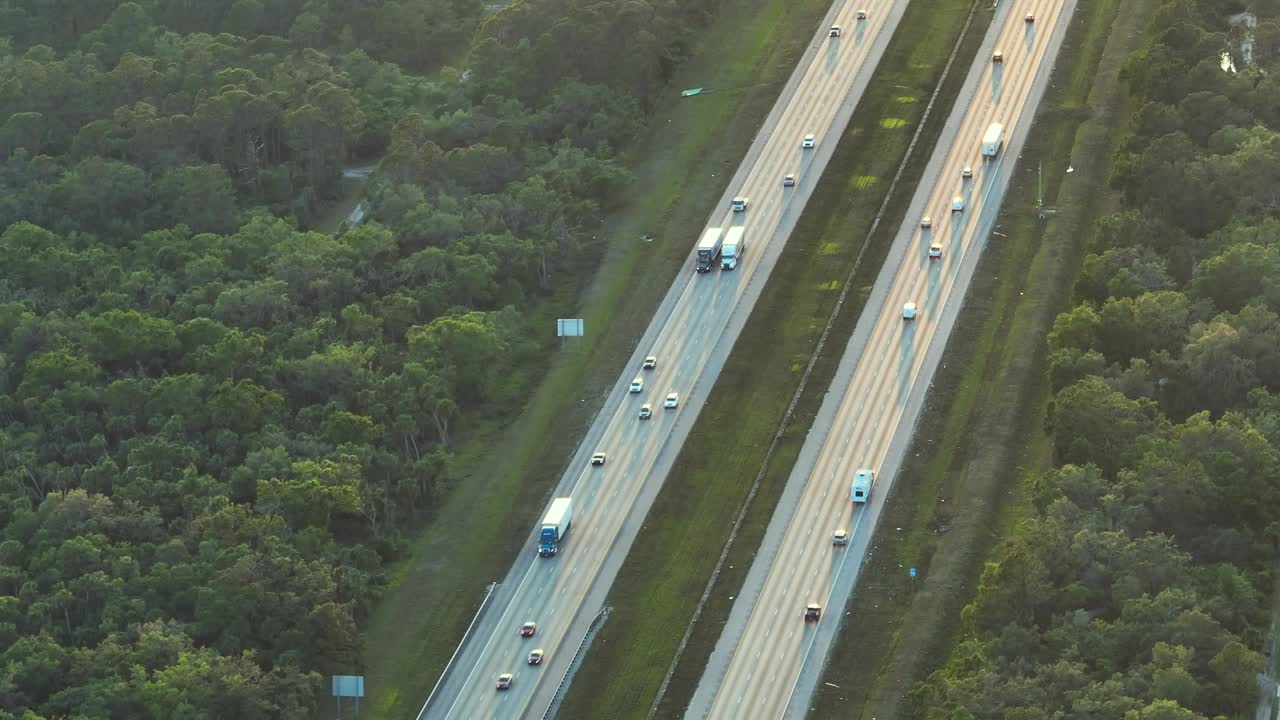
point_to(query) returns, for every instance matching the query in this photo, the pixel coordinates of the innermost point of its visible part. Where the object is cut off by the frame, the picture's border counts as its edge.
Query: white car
(504, 681)
(997, 57)
(637, 385)
(909, 311)
(808, 141)
(935, 252)
(650, 363)
(840, 537)
(966, 173)
(925, 222)
(673, 400)
(535, 657)
(834, 31)
(646, 411)
(957, 204)
(598, 459)
(862, 14)
(1031, 18)
(788, 180)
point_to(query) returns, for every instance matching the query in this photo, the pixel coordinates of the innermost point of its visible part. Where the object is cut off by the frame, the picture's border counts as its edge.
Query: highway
(768, 659)
(691, 335)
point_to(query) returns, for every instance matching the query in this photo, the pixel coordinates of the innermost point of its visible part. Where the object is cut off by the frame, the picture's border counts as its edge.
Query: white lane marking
(493, 636)
(809, 156)
(984, 192)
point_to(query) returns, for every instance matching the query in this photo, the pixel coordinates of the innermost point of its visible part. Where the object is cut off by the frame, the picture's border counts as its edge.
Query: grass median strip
(495, 498)
(664, 577)
(983, 423)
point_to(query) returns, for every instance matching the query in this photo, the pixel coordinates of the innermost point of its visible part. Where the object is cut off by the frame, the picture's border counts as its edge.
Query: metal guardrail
(596, 622)
(483, 604)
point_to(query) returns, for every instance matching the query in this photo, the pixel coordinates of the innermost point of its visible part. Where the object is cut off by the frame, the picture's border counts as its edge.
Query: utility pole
(1040, 186)
(1041, 210)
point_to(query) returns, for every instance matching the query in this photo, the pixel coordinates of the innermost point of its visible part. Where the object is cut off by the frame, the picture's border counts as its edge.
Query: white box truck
(709, 248)
(861, 487)
(554, 526)
(992, 141)
(731, 250)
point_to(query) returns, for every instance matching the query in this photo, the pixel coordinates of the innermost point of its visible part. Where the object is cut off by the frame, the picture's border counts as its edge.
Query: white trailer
(554, 526)
(731, 250)
(709, 248)
(992, 141)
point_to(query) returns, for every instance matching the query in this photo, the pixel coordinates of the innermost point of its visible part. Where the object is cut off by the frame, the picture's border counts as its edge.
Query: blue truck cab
(555, 524)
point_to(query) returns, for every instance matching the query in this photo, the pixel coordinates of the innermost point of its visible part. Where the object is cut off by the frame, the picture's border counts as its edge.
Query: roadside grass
(662, 580)
(981, 435)
(682, 167)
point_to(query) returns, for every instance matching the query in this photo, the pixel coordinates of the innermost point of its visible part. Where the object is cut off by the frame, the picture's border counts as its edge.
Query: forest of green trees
(1139, 588)
(215, 421)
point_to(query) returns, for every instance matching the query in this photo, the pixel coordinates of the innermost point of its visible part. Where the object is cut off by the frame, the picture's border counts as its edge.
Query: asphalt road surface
(691, 335)
(768, 658)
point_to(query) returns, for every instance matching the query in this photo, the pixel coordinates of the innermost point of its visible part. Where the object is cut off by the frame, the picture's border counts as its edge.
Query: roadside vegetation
(682, 166)
(1133, 583)
(218, 426)
(657, 590)
(982, 425)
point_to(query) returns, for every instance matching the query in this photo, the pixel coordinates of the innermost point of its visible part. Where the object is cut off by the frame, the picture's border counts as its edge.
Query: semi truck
(731, 250)
(992, 141)
(709, 248)
(554, 526)
(860, 489)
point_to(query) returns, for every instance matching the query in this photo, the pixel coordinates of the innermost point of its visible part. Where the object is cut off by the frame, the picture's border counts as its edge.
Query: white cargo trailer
(731, 250)
(554, 526)
(709, 248)
(992, 141)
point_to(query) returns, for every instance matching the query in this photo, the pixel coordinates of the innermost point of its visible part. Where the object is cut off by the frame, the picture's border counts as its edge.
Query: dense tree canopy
(1138, 587)
(216, 420)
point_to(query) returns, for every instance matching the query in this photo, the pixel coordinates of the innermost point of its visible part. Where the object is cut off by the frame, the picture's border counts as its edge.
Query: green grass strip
(982, 429)
(661, 583)
(682, 170)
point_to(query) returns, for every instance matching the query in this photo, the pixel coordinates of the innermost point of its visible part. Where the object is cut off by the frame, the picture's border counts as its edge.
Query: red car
(528, 629)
